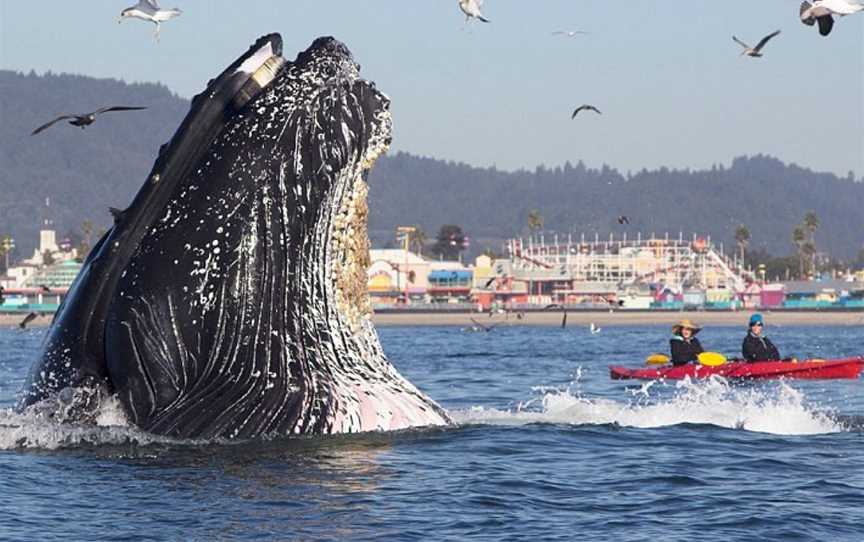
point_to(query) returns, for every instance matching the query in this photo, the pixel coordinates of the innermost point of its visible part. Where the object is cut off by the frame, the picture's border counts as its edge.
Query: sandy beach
(617, 318)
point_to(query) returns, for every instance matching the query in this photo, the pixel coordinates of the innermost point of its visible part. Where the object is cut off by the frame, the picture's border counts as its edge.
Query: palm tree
(811, 224)
(6, 246)
(799, 237)
(86, 240)
(808, 251)
(742, 237)
(535, 221)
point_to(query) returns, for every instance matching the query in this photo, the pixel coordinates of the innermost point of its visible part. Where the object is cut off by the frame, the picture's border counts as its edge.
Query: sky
(666, 74)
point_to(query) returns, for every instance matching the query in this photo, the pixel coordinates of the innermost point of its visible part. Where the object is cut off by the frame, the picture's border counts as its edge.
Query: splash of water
(33, 429)
(780, 410)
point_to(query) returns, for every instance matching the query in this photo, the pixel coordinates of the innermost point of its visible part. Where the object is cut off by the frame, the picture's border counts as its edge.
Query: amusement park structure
(560, 265)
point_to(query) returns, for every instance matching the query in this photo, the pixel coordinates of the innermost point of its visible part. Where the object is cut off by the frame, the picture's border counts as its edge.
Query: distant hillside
(764, 194)
(86, 172)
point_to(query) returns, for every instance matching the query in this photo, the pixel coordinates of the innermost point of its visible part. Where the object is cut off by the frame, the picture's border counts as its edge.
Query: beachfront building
(397, 276)
(823, 294)
(40, 282)
(656, 272)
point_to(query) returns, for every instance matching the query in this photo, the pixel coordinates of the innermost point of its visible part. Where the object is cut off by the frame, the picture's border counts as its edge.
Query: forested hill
(85, 172)
(766, 195)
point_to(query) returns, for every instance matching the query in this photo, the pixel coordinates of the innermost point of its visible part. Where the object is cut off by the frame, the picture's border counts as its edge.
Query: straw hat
(685, 323)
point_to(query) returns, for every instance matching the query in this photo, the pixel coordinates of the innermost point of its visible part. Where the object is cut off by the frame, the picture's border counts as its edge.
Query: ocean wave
(780, 410)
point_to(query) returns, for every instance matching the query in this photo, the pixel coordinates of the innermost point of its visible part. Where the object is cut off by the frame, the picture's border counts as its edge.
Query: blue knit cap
(756, 319)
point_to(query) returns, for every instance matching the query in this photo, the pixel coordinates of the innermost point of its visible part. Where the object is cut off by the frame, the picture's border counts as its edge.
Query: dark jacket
(759, 349)
(684, 352)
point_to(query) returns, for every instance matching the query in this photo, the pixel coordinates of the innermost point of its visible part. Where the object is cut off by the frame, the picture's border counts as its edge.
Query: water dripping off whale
(229, 299)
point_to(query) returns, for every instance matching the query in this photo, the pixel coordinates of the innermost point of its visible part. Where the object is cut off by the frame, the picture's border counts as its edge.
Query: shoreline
(622, 318)
(616, 318)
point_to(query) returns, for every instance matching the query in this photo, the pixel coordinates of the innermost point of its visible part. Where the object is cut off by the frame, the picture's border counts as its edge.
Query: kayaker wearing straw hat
(685, 346)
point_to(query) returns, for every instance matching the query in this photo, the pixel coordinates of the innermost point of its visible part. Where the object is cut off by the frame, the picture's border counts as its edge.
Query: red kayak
(813, 369)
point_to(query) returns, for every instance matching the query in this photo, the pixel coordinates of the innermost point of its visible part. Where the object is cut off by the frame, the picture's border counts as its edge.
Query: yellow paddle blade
(657, 359)
(712, 359)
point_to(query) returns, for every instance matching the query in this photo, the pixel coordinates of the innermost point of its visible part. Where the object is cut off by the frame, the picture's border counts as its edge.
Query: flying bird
(754, 51)
(585, 107)
(480, 327)
(594, 329)
(823, 11)
(471, 9)
(86, 119)
(623, 220)
(149, 10)
(558, 306)
(45, 288)
(568, 33)
(27, 319)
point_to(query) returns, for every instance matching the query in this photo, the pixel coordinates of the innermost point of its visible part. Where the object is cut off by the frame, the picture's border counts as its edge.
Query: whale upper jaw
(229, 300)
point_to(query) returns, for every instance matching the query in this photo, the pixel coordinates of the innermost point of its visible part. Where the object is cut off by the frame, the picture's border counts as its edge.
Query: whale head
(229, 300)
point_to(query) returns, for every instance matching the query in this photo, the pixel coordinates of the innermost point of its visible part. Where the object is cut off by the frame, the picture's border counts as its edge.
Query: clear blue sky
(666, 74)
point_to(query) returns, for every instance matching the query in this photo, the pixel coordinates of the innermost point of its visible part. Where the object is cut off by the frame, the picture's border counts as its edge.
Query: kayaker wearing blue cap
(684, 344)
(756, 346)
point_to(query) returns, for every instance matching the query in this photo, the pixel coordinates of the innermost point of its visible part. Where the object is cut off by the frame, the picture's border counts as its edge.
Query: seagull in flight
(471, 8)
(480, 327)
(754, 51)
(27, 319)
(568, 33)
(823, 11)
(86, 119)
(149, 10)
(623, 220)
(585, 107)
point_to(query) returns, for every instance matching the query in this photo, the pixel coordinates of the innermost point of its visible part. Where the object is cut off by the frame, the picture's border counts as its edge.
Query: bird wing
(576, 112)
(153, 4)
(826, 23)
(741, 43)
(765, 40)
(116, 108)
(51, 123)
(478, 324)
(592, 108)
(27, 319)
(809, 20)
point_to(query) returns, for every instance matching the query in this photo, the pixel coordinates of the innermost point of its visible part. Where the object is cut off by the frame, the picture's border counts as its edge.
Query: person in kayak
(684, 344)
(756, 346)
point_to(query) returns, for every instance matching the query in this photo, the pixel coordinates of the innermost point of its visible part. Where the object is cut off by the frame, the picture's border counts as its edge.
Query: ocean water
(546, 447)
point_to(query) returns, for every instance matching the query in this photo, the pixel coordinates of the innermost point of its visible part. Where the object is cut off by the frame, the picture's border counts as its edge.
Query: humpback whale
(229, 299)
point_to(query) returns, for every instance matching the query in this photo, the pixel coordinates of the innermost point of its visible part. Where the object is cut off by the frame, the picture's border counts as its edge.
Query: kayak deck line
(814, 369)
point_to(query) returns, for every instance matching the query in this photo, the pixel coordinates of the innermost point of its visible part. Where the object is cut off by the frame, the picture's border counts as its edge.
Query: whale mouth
(348, 231)
(229, 300)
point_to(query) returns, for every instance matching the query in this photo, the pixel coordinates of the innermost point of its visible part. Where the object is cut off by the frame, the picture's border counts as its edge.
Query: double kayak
(812, 369)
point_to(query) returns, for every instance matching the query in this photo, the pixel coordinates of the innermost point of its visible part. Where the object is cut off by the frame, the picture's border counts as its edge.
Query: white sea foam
(32, 429)
(780, 409)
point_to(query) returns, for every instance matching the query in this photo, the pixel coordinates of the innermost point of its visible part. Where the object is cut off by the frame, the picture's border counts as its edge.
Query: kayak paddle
(657, 359)
(711, 359)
